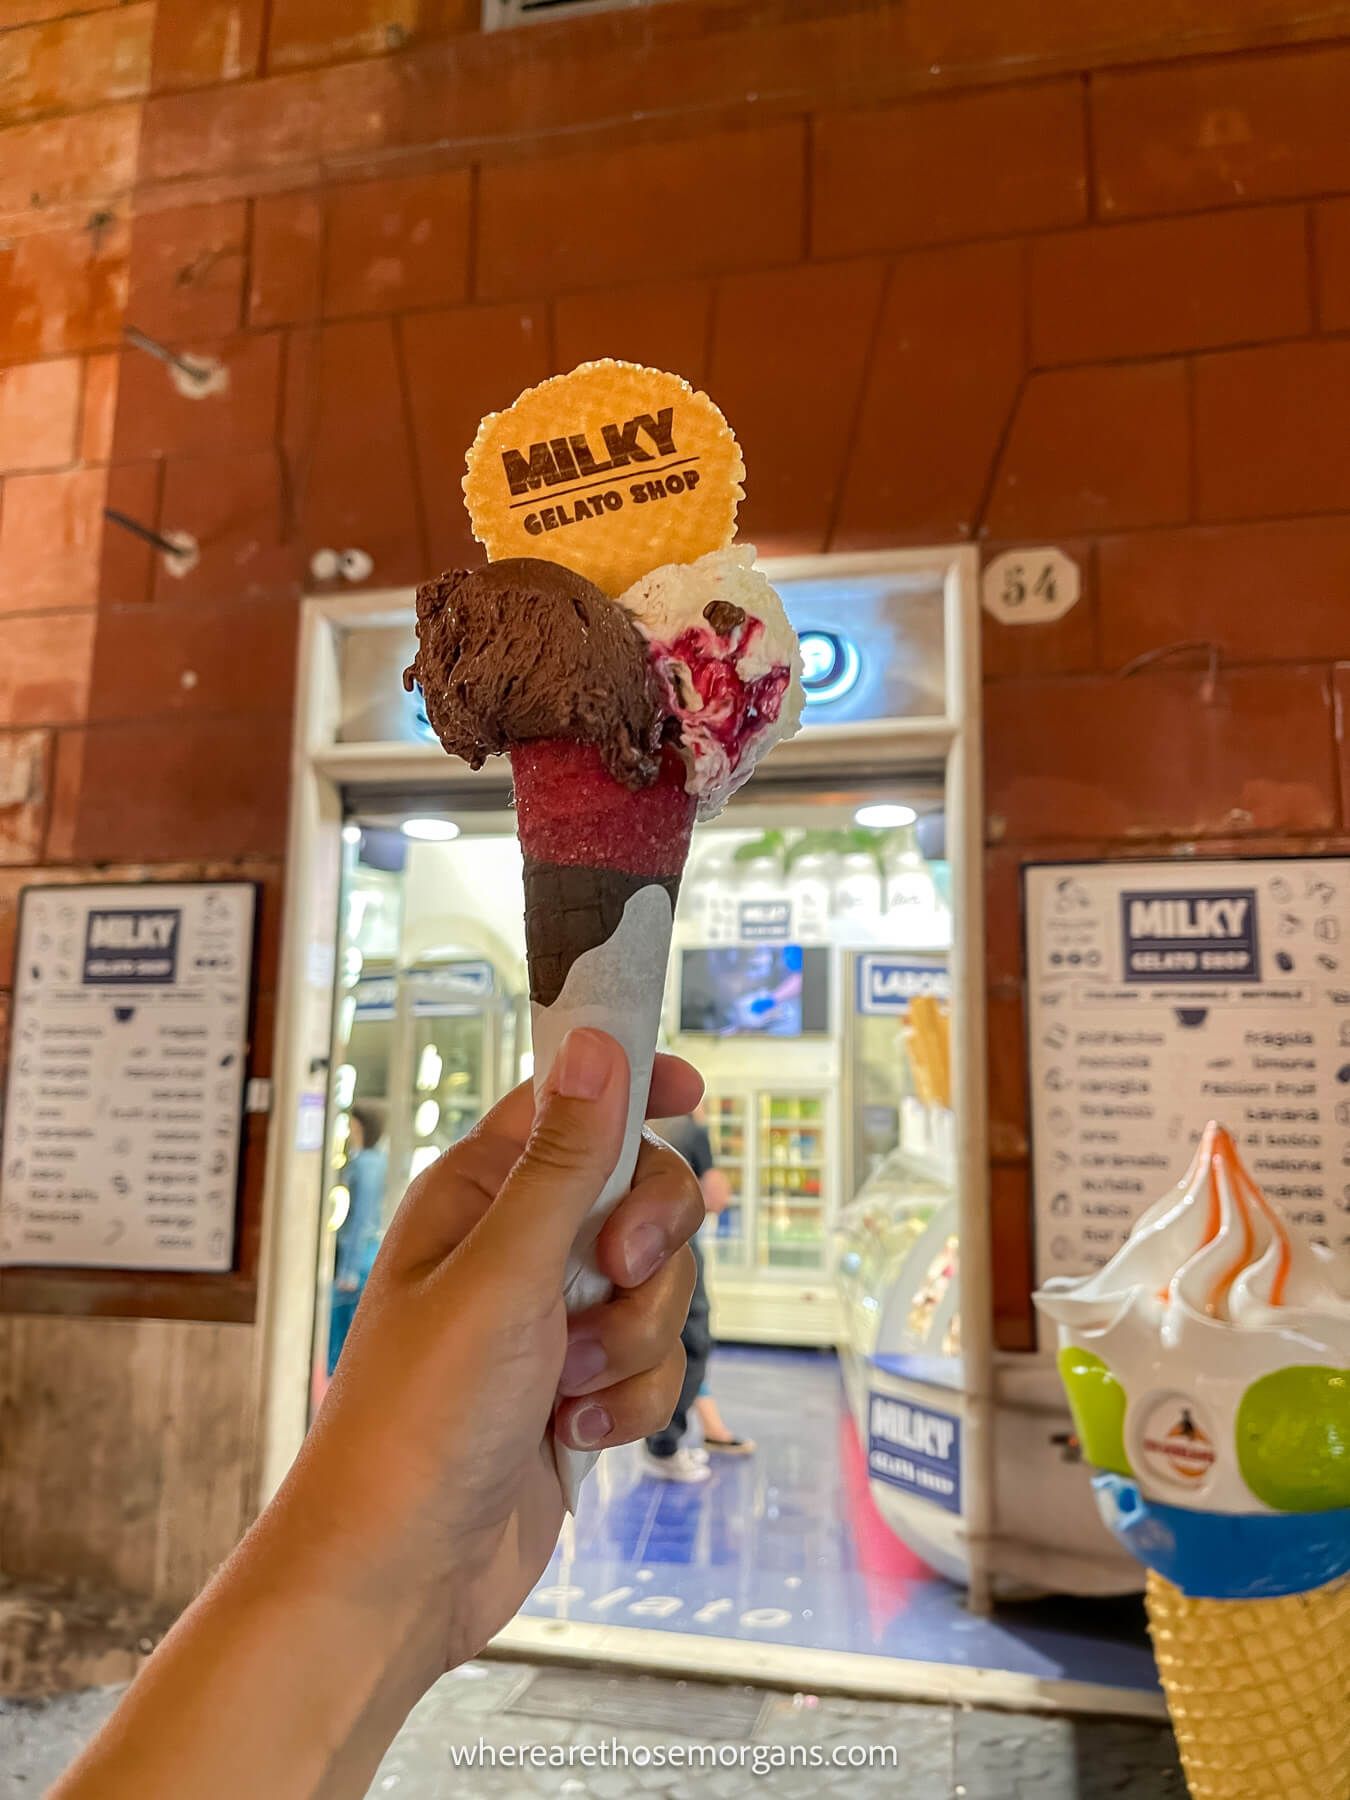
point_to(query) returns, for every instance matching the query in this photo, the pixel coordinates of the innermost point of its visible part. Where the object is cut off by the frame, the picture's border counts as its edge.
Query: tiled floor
(787, 1548)
(627, 1724)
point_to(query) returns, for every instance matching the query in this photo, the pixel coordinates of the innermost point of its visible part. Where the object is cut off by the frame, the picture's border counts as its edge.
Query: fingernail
(584, 1360)
(581, 1069)
(644, 1252)
(592, 1425)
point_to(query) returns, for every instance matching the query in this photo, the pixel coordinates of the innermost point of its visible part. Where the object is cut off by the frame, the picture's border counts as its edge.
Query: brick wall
(1014, 275)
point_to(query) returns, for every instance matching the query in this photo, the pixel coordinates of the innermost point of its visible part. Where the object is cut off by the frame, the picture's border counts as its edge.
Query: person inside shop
(665, 1454)
(426, 1502)
(364, 1175)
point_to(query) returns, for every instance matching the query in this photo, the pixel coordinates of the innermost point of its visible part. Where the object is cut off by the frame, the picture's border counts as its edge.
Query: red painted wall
(954, 272)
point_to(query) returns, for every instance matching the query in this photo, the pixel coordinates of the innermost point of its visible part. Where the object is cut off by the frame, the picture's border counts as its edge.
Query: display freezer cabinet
(770, 1251)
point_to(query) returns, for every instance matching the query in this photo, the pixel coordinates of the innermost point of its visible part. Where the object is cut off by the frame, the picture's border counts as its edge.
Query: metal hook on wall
(180, 550)
(195, 377)
(1166, 652)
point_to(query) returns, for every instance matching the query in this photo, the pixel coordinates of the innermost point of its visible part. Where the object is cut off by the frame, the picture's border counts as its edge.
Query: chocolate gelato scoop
(524, 649)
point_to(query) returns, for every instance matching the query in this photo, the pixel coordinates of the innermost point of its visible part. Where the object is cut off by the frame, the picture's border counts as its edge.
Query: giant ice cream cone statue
(1208, 1371)
(634, 665)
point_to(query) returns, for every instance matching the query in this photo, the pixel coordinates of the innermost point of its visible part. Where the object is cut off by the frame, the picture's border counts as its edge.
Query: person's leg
(697, 1340)
(710, 1417)
(717, 1434)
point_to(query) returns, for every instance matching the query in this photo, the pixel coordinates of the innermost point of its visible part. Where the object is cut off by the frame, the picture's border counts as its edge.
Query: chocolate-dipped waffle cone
(570, 910)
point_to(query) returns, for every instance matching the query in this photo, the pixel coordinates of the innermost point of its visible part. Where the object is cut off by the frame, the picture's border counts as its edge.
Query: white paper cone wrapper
(617, 987)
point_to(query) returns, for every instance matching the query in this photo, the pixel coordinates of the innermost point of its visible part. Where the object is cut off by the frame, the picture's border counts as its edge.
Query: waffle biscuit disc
(612, 470)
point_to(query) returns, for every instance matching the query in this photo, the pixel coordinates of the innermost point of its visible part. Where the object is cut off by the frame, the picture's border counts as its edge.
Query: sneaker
(684, 1466)
(732, 1446)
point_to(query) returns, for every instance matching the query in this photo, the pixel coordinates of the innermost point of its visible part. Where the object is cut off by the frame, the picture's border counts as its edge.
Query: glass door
(726, 1235)
(367, 1052)
(450, 1073)
(792, 1159)
(463, 1052)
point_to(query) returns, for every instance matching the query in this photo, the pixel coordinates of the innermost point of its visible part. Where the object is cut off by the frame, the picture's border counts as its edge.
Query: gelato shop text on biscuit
(571, 459)
(590, 506)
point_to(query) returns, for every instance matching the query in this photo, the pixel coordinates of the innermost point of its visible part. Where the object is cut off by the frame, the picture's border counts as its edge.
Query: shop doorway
(826, 978)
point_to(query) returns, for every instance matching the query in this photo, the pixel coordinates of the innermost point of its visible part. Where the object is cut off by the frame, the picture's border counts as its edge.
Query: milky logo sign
(375, 997)
(440, 990)
(768, 921)
(1200, 934)
(887, 984)
(132, 946)
(570, 458)
(915, 1448)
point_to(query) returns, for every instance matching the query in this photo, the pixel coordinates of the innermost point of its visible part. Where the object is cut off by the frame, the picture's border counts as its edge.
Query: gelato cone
(625, 714)
(1258, 1690)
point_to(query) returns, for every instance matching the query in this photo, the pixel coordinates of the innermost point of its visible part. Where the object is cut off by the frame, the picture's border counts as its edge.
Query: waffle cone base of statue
(1258, 1691)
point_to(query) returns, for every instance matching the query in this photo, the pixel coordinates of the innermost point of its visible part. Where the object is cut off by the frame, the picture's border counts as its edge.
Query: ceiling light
(885, 815)
(431, 831)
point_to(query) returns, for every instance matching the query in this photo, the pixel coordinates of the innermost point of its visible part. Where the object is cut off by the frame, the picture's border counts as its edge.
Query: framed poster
(124, 1099)
(1163, 995)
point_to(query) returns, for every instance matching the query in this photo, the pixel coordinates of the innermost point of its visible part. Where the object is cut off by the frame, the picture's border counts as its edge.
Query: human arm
(426, 1501)
(695, 1145)
(716, 1190)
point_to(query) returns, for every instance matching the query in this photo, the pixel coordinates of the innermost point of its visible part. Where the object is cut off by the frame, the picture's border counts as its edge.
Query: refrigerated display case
(794, 1147)
(900, 1221)
(898, 1255)
(771, 1250)
(725, 1235)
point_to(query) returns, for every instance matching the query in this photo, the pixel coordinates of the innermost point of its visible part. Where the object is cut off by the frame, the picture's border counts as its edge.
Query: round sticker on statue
(612, 471)
(1175, 1446)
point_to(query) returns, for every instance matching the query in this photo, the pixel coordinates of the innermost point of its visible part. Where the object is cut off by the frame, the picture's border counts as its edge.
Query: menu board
(126, 1076)
(1163, 995)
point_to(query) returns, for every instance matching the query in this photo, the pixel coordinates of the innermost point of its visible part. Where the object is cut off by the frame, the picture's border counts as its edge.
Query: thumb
(572, 1151)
